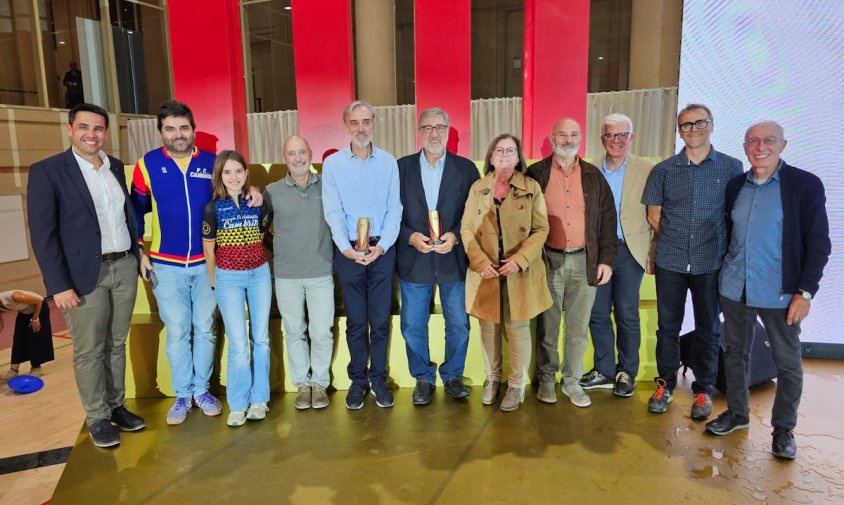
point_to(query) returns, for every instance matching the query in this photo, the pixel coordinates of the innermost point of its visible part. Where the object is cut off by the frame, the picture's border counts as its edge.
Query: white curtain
(143, 137)
(395, 130)
(653, 112)
(267, 131)
(492, 117)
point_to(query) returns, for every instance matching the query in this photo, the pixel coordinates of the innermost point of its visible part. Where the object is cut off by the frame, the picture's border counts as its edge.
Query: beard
(565, 151)
(361, 143)
(171, 146)
(437, 149)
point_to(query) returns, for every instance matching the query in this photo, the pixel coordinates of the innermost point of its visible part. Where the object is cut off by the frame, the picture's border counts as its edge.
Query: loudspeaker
(762, 365)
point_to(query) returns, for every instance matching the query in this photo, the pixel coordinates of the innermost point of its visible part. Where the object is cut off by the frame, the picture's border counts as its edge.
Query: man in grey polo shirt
(302, 262)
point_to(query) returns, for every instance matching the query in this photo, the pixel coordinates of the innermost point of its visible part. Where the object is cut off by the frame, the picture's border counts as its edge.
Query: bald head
(565, 138)
(766, 125)
(297, 155)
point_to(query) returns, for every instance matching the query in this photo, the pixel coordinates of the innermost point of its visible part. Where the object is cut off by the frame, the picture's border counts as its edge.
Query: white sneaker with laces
(257, 411)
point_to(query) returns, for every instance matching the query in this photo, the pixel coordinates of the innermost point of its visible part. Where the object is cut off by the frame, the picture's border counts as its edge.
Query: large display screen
(781, 60)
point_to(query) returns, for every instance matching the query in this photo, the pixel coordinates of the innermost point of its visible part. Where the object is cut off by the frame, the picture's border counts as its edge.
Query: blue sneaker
(354, 398)
(210, 406)
(383, 395)
(179, 411)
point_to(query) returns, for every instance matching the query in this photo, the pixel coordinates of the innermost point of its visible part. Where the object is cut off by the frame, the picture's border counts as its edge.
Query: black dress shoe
(104, 434)
(455, 388)
(125, 420)
(422, 393)
(784, 446)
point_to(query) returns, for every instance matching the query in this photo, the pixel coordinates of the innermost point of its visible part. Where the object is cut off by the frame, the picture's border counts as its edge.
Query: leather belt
(566, 251)
(112, 257)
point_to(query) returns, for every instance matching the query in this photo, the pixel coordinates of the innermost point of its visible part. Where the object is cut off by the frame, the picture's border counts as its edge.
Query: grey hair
(356, 104)
(617, 118)
(433, 111)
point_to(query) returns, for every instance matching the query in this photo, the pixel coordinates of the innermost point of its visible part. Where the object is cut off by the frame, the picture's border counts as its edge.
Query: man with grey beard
(579, 252)
(434, 180)
(362, 181)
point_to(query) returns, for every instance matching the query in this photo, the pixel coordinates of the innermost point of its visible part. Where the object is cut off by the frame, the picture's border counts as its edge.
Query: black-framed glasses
(768, 141)
(427, 129)
(609, 137)
(700, 124)
(500, 151)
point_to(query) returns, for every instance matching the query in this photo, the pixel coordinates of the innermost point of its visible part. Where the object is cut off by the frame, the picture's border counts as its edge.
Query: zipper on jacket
(187, 204)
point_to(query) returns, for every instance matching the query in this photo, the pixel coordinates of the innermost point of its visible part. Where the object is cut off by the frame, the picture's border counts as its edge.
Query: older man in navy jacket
(779, 244)
(434, 180)
(82, 229)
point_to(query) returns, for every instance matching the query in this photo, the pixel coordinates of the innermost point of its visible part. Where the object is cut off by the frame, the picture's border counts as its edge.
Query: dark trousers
(620, 296)
(33, 346)
(671, 289)
(367, 296)
(739, 322)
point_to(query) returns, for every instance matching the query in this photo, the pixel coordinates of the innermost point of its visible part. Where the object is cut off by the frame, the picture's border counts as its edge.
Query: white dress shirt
(109, 201)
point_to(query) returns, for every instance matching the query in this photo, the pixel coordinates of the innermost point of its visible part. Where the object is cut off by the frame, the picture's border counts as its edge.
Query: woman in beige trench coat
(504, 227)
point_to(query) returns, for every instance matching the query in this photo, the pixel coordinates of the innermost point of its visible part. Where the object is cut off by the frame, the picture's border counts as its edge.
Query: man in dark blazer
(81, 226)
(430, 253)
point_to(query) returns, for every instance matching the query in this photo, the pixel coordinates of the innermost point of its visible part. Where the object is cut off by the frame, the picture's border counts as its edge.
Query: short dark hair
(520, 167)
(695, 106)
(175, 108)
(87, 107)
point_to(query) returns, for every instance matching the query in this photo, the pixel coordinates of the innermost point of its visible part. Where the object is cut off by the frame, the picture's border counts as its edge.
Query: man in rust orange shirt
(579, 252)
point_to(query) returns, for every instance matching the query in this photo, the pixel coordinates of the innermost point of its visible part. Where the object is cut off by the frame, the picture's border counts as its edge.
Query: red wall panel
(322, 52)
(555, 69)
(443, 58)
(207, 58)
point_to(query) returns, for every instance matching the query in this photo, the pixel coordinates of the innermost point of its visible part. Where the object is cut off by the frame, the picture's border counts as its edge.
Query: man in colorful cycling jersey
(174, 183)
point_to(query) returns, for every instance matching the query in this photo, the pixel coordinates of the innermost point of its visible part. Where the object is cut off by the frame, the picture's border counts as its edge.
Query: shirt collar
(83, 163)
(713, 155)
(774, 177)
(620, 168)
(312, 178)
(351, 154)
(424, 161)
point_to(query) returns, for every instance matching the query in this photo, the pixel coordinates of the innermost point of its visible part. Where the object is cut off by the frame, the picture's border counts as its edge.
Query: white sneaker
(257, 411)
(237, 418)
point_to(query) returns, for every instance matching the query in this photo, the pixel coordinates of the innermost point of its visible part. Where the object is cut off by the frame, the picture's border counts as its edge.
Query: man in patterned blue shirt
(685, 199)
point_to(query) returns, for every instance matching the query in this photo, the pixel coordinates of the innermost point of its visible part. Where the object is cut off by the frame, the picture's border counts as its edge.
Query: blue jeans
(367, 296)
(186, 306)
(415, 313)
(236, 289)
(309, 362)
(671, 289)
(621, 296)
(740, 324)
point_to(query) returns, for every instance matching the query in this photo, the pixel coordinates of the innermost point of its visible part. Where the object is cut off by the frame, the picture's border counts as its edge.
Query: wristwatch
(805, 294)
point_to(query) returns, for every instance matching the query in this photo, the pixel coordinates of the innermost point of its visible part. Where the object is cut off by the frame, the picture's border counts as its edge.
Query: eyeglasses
(500, 151)
(609, 137)
(700, 124)
(768, 141)
(427, 129)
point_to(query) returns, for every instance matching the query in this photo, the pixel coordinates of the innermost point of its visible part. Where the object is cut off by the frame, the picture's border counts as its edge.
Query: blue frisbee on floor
(25, 384)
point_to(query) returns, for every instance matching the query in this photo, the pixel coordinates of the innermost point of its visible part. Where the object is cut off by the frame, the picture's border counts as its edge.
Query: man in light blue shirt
(362, 181)
(778, 247)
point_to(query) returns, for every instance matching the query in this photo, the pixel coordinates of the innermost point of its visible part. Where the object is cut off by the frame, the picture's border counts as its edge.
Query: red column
(443, 58)
(207, 58)
(555, 69)
(322, 51)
